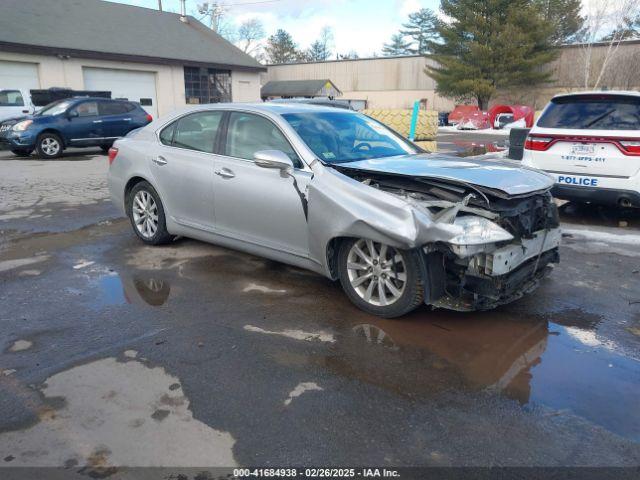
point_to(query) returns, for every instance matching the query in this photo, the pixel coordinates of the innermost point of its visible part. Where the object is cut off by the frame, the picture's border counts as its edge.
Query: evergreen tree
(564, 16)
(488, 45)
(281, 48)
(421, 29)
(320, 50)
(397, 46)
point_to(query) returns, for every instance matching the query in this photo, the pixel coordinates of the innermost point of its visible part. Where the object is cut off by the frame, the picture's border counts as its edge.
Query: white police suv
(590, 143)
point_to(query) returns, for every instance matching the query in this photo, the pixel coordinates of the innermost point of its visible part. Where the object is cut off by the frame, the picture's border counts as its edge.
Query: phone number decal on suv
(581, 181)
(578, 158)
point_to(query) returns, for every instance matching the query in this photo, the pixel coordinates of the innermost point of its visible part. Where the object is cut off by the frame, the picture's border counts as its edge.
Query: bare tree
(160, 5)
(250, 33)
(605, 21)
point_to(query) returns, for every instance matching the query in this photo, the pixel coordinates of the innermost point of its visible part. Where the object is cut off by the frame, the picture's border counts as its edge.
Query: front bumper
(17, 140)
(601, 196)
(485, 280)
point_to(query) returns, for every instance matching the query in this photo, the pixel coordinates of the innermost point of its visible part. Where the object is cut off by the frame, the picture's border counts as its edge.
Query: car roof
(629, 93)
(273, 108)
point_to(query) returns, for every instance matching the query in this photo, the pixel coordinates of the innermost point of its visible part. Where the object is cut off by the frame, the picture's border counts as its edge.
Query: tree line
(477, 46)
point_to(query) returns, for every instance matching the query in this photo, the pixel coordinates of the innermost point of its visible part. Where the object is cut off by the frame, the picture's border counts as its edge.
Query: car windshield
(340, 137)
(55, 108)
(593, 112)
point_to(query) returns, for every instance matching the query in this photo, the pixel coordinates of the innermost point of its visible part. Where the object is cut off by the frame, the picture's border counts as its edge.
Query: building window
(207, 85)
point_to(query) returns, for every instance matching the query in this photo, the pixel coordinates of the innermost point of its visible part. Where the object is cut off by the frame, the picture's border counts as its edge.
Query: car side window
(166, 135)
(112, 108)
(248, 134)
(196, 131)
(86, 109)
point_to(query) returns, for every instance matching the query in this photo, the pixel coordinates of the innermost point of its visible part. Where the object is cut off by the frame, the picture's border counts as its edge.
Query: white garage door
(19, 76)
(129, 84)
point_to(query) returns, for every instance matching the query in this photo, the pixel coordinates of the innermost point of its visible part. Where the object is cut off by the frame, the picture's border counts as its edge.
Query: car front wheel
(49, 145)
(380, 279)
(147, 215)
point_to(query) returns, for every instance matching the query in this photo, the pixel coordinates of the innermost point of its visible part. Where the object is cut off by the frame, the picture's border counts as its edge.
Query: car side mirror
(273, 159)
(73, 114)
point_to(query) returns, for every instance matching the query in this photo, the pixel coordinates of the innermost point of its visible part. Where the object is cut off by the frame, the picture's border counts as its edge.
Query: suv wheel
(49, 145)
(147, 215)
(380, 279)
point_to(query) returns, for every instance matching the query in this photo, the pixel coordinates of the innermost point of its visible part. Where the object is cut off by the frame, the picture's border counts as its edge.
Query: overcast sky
(360, 25)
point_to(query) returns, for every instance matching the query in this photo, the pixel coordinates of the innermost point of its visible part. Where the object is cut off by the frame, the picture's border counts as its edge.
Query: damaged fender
(340, 206)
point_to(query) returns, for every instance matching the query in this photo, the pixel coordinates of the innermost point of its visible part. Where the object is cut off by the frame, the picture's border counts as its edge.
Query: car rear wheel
(147, 215)
(49, 145)
(21, 153)
(380, 279)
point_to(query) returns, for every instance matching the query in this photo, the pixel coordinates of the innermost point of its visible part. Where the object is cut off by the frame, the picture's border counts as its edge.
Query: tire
(21, 153)
(391, 267)
(149, 224)
(105, 148)
(49, 145)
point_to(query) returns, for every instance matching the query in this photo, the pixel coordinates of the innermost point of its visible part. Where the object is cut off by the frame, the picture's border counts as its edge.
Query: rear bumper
(602, 196)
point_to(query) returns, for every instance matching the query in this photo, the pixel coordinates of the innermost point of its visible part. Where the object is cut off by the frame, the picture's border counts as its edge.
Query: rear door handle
(225, 173)
(159, 160)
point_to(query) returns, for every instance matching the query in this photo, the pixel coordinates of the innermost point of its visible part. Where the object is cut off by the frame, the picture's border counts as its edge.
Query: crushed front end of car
(482, 246)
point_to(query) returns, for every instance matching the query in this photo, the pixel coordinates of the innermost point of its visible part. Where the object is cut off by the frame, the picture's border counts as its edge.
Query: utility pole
(160, 5)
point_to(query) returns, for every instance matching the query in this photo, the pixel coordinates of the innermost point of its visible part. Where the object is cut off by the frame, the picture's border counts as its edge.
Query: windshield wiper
(598, 118)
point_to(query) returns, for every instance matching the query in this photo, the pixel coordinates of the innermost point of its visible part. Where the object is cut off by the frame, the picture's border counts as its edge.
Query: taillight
(149, 118)
(537, 143)
(113, 152)
(631, 146)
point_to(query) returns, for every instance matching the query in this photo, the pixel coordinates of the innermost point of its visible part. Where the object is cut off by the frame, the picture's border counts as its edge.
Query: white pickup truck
(15, 103)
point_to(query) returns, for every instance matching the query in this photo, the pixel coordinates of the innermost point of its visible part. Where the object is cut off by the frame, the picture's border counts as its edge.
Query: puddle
(137, 289)
(117, 414)
(533, 362)
(295, 334)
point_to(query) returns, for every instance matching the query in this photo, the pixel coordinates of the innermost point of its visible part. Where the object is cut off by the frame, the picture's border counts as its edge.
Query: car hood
(505, 175)
(14, 120)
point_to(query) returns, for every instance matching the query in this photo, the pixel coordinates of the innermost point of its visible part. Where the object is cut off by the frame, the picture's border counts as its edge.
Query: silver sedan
(338, 193)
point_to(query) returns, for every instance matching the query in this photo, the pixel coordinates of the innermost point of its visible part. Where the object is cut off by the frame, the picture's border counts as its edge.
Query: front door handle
(159, 160)
(97, 121)
(225, 173)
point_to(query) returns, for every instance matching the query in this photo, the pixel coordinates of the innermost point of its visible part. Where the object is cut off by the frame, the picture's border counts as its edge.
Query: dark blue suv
(73, 122)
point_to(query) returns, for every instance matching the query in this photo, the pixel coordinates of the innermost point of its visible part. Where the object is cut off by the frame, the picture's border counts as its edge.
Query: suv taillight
(539, 144)
(113, 152)
(631, 146)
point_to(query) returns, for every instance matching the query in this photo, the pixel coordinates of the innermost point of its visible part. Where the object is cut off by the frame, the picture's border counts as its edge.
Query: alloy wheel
(145, 214)
(50, 146)
(377, 272)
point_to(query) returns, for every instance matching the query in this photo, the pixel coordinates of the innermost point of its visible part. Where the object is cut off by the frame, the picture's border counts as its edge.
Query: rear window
(604, 112)
(11, 98)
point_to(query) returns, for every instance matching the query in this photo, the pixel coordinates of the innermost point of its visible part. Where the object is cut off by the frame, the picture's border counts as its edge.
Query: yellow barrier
(400, 121)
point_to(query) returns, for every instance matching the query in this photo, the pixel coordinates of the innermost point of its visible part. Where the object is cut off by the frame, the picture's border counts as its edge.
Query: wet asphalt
(190, 355)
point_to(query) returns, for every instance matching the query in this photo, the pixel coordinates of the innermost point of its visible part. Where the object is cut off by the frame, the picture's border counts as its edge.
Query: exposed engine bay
(507, 244)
